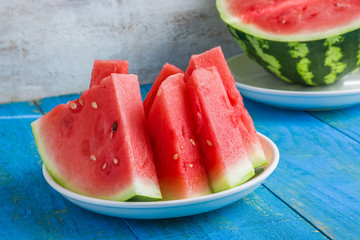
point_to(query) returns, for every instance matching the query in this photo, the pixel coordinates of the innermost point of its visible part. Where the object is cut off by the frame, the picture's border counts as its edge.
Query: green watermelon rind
(48, 162)
(129, 194)
(319, 62)
(300, 37)
(258, 158)
(231, 178)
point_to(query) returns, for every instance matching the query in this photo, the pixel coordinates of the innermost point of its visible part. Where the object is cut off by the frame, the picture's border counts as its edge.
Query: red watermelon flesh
(225, 156)
(166, 71)
(301, 16)
(103, 69)
(97, 146)
(215, 58)
(179, 167)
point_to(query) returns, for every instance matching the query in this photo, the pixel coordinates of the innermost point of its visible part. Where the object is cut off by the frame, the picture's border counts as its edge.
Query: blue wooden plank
(318, 174)
(30, 208)
(19, 109)
(346, 120)
(260, 215)
(145, 88)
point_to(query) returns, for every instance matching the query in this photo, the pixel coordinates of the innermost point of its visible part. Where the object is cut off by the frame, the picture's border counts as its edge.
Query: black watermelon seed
(114, 127)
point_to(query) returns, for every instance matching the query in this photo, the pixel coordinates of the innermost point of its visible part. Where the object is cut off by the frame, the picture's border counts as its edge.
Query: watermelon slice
(97, 146)
(103, 69)
(166, 71)
(215, 58)
(226, 158)
(179, 167)
(310, 42)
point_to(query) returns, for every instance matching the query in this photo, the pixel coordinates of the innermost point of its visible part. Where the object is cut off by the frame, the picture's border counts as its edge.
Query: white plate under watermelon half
(174, 208)
(258, 85)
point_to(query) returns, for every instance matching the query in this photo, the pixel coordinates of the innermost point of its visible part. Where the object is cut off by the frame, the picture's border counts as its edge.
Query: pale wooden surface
(47, 48)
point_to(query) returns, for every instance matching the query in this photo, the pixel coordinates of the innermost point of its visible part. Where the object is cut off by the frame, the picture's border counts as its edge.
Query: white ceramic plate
(174, 208)
(256, 84)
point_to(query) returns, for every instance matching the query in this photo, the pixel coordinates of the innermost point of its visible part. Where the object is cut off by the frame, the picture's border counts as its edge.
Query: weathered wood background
(47, 48)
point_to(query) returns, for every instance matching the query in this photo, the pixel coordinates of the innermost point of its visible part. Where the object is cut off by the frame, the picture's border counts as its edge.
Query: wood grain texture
(318, 170)
(346, 120)
(19, 110)
(260, 215)
(47, 48)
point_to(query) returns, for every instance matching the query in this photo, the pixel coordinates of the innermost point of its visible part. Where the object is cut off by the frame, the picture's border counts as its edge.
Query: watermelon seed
(191, 165)
(192, 141)
(115, 161)
(73, 105)
(181, 147)
(92, 157)
(94, 105)
(209, 143)
(104, 166)
(176, 156)
(159, 92)
(114, 127)
(81, 101)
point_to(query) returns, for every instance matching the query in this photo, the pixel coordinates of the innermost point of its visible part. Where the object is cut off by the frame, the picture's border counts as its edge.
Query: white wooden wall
(47, 48)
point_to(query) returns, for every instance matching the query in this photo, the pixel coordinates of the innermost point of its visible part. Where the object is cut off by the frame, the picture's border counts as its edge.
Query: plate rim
(276, 92)
(169, 203)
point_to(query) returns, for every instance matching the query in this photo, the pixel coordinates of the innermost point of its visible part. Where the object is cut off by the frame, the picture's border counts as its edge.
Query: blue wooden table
(313, 194)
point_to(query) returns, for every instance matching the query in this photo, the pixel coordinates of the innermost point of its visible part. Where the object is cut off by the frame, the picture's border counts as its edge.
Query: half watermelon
(97, 146)
(311, 42)
(179, 166)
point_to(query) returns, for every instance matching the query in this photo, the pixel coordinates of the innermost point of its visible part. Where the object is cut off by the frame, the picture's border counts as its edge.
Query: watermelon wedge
(309, 42)
(225, 156)
(240, 116)
(166, 71)
(97, 145)
(104, 68)
(178, 163)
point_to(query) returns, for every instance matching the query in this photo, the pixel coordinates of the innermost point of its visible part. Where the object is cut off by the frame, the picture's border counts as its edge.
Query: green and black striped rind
(317, 62)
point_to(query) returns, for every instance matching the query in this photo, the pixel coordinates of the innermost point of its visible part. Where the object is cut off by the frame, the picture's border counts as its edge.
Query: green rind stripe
(333, 57)
(300, 50)
(272, 63)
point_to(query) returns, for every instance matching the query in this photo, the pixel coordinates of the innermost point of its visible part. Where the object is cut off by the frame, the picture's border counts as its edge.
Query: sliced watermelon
(226, 158)
(215, 58)
(165, 72)
(97, 146)
(179, 167)
(310, 42)
(103, 69)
